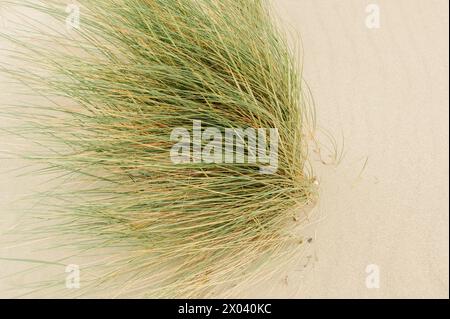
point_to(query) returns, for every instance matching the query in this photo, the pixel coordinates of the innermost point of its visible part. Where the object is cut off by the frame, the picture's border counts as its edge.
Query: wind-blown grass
(115, 89)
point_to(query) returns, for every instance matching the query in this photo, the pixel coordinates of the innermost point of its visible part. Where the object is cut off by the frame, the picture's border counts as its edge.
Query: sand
(384, 208)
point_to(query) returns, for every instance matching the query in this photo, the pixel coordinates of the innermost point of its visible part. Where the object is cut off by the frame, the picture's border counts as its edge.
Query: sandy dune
(385, 91)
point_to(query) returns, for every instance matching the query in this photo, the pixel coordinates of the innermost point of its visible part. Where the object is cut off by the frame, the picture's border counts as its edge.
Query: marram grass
(112, 91)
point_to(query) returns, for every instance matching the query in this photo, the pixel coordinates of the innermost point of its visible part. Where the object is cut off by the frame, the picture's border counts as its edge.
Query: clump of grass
(115, 89)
